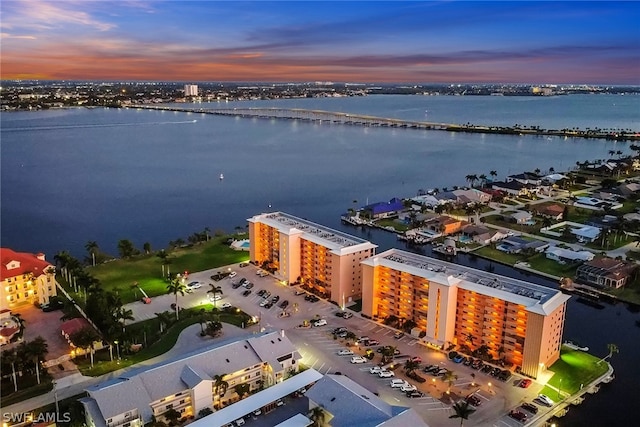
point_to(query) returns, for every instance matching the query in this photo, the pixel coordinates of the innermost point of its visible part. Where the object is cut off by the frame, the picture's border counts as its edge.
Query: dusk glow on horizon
(362, 41)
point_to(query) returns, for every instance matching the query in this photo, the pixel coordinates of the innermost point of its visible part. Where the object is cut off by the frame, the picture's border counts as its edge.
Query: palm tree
(176, 287)
(471, 178)
(410, 366)
(92, 247)
(318, 416)
(220, 386)
(164, 318)
(463, 410)
(483, 179)
(387, 353)
(215, 290)
(493, 175)
(449, 377)
(37, 350)
(84, 339)
(613, 348)
(147, 248)
(10, 357)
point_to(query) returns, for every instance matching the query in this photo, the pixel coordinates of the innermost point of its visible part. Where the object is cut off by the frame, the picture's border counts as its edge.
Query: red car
(525, 383)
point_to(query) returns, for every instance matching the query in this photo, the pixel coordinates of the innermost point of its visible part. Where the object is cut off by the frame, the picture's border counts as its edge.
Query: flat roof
(297, 420)
(255, 401)
(328, 237)
(490, 284)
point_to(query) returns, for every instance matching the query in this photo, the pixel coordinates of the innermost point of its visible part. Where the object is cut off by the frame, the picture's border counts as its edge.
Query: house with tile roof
(188, 383)
(26, 279)
(605, 272)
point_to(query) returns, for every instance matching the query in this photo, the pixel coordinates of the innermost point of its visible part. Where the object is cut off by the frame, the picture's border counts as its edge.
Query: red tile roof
(74, 325)
(29, 263)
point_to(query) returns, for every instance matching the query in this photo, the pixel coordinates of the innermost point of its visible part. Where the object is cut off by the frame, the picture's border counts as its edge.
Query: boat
(221, 177)
(574, 346)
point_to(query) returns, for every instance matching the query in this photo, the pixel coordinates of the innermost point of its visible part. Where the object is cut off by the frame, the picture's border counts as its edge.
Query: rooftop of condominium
(506, 288)
(335, 238)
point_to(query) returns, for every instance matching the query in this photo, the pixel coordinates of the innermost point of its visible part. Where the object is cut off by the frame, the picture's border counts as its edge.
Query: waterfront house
(526, 178)
(563, 255)
(554, 211)
(481, 234)
(605, 272)
(596, 204)
(189, 382)
(383, 209)
(444, 225)
(515, 245)
(515, 188)
(472, 196)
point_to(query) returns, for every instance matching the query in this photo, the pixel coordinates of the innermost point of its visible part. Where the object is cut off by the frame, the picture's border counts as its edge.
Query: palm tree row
(24, 359)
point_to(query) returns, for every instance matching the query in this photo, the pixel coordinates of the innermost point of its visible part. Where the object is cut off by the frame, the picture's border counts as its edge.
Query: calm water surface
(70, 176)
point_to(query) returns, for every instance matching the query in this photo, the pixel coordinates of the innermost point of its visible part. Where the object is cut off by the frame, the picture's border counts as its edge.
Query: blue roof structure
(393, 205)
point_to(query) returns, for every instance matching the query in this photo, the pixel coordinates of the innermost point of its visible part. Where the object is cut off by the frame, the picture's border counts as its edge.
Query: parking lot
(319, 350)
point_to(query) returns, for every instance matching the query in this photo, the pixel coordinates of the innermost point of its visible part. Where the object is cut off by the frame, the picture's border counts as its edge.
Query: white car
(321, 322)
(345, 352)
(216, 297)
(375, 370)
(386, 374)
(545, 399)
(397, 383)
(264, 302)
(358, 359)
(194, 285)
(408, 387)
(226, 305)
(232, 274)
(239, 422)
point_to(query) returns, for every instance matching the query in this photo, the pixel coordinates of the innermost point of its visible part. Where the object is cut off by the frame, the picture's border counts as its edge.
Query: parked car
(284, 304)
(414, 376)
(414, 393)
(518, 415)
(236, 285)
(232, 274)
(373, 342)
(397, 383)
(347, 315)
(408, 387)
(275, 299)
(345, 352)
(268, 305)
(216, 297)
(226, 305)
(458, 359)
(339, 329)
(358, 359)
(299, 292)
(243, 264)
(375, 370)
(264, 302)
(525, 383)
(530, 407)
(54, 304)
(504, 375)
(417, 359)
(321, 322)
(194, 285)
(239, 422)
(248, 285)
(261, 292)
(473, 400)
(468, 361)
(246, 293)
(546, 400)
(386, 374)
(279, 402)
(430, 368)
(257, 412)
(398, 335)
(452, 354)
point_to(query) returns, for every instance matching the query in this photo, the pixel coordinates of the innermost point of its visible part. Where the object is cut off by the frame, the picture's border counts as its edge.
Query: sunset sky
(342, 41)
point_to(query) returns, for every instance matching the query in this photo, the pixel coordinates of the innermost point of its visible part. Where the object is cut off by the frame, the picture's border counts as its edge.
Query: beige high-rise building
(190, 90)
(300, 250)
(451, 304)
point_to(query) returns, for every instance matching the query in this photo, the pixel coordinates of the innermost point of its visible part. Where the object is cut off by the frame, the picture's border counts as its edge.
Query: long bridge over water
(332, 117)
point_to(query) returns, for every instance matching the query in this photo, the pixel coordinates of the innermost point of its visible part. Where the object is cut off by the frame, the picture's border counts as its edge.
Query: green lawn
(397, 225)
(26, 390)
(146, 270)
(494, 254)
(162, 344)
(574, 368)
(541, 263)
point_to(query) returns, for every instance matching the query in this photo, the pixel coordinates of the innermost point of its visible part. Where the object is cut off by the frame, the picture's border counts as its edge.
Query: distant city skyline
(544, 42)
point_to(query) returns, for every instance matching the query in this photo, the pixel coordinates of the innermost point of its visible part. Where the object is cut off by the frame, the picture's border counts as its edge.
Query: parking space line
(413, 342)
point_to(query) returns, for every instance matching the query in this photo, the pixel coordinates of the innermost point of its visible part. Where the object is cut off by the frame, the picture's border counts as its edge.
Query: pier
(331, 117)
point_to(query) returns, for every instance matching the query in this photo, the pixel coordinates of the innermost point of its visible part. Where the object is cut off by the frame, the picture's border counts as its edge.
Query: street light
(117, 349)
(490, 390)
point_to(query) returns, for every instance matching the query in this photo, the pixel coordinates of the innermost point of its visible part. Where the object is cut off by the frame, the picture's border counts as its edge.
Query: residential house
(348, 404)
(383, 209)
(553, 211)
(472, 195)
(26, 279)
(189, 383)
(444, 225)
(522, 218)
(593, 203)
(515, 245)
(563, 255)
(629, 189)
(586, 234)
(481, 234)
(515, 188)
(605, 272)
(526, 178)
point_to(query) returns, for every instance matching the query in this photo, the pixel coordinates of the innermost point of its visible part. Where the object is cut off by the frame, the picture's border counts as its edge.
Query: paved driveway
(47, 325)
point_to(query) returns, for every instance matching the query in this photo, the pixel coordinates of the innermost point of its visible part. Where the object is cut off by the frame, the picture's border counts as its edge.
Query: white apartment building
(190, 90)
(191, 382)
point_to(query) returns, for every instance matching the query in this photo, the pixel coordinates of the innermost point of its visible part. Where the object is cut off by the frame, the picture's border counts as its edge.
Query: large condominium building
(517, 320)
(190, 90)
(26, 279)
(208, 378)
(300, 250)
